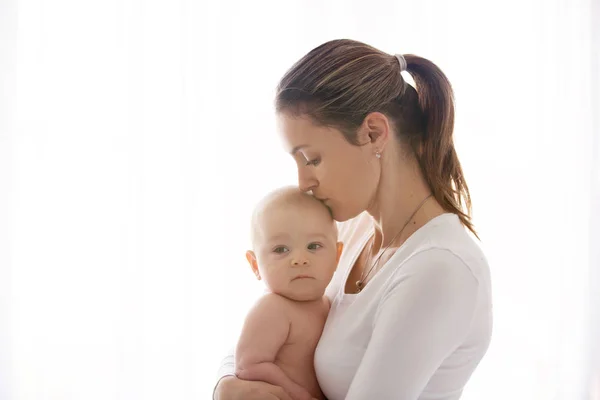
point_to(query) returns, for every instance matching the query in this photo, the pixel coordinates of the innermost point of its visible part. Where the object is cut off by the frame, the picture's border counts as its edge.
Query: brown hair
(340, 82)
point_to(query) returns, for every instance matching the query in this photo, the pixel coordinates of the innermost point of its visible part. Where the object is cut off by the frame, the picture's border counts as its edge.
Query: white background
(135, 137)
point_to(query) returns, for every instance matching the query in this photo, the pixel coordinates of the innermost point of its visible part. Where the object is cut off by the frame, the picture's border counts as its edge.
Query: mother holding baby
(411, 308)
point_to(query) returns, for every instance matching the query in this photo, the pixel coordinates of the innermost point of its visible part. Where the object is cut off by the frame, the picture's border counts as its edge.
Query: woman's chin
(341, 215)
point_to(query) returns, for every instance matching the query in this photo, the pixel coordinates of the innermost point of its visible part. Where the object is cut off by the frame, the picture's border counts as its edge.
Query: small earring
(378, 154)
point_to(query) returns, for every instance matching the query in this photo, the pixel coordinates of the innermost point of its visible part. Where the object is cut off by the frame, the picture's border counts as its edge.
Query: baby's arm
(265, 331)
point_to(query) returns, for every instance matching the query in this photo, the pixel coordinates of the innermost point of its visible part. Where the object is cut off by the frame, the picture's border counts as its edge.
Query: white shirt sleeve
(422, 318)
(226, 368)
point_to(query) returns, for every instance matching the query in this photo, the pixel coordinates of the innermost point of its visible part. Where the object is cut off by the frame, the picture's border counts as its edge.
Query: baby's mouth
(303, 277)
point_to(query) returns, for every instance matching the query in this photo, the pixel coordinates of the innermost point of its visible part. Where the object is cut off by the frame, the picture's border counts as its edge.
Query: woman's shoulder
(442, 243)
(446, 241)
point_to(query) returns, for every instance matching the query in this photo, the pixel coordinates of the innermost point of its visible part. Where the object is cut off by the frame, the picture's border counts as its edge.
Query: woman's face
(340, 174)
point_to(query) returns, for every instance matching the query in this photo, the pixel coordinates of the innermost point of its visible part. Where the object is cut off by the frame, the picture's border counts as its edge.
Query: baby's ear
(340, 248)
(251, 257)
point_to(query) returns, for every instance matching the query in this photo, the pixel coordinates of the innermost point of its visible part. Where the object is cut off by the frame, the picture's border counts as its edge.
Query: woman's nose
(306, 181)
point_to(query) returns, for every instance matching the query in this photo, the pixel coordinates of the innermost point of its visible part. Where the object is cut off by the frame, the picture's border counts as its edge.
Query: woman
(411, 313)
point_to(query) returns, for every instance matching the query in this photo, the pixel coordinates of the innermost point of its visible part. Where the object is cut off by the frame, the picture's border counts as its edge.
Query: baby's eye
(314, 246)
(280, 250)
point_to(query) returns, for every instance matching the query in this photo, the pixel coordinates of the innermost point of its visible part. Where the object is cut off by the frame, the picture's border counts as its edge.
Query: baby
(295, 252)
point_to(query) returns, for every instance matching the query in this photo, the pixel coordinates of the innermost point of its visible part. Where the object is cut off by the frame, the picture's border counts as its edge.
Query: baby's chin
(306, 293)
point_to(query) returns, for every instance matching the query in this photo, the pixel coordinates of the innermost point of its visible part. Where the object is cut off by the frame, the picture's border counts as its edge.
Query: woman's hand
(232, 388)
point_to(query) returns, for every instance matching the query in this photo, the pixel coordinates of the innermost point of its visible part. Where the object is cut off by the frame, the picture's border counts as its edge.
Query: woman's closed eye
(314, 162)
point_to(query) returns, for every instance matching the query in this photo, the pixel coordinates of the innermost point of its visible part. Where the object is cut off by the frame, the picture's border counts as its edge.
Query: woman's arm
(227, 368)
(423, 317)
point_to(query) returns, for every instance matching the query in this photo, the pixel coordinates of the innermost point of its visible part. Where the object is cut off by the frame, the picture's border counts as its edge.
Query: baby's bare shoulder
(272, 302)
(268, 309)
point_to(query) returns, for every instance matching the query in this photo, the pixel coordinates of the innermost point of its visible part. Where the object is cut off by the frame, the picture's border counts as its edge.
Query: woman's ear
(375, 130)
(251, 257)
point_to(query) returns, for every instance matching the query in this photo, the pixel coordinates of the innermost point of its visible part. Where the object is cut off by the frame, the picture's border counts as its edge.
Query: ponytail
(435, 150)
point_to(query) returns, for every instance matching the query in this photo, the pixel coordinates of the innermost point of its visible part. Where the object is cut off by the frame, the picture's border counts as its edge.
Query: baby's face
(297, 250)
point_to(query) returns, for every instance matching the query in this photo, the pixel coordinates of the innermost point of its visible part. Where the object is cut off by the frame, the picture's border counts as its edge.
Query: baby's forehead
(289, 199)
(295, 206)
(292, 211)
(293, 221)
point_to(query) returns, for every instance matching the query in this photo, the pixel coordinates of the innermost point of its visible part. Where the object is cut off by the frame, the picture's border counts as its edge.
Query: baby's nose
(298, 262)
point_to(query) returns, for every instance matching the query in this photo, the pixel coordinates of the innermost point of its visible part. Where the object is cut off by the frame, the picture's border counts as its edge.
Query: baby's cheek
(272, 280)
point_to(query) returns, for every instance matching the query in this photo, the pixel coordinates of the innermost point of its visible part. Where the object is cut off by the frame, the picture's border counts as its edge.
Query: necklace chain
(360, 284)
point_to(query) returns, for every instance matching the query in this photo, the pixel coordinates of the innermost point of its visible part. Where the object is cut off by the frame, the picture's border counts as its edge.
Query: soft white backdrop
(135, 137)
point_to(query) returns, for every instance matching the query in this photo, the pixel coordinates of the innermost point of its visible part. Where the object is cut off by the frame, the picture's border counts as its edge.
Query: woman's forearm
(226, 368)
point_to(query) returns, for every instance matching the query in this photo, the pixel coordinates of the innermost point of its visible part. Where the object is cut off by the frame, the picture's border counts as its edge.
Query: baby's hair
(283, 196)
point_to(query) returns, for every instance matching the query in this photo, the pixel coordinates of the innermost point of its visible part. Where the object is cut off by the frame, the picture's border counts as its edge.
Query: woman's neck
(401, 191)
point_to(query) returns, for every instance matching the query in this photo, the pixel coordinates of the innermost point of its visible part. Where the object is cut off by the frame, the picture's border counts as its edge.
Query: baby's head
(295, 248)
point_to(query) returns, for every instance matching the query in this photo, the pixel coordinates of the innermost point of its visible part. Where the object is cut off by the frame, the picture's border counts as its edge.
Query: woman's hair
(340, 82)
